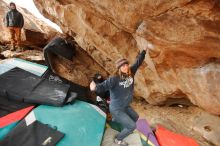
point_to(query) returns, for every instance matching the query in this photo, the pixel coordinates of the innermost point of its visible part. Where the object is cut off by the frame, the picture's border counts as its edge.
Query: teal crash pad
(4, 131)
(8, 64)
(82, 123)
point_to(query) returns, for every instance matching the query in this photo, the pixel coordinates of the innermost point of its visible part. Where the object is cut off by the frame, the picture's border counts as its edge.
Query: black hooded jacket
(14, 19)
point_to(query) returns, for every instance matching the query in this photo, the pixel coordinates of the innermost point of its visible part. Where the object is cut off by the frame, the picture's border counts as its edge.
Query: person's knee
(132, 127)
(137, 117)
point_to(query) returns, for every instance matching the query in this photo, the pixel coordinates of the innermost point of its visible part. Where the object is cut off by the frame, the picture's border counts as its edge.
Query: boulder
(185, 35)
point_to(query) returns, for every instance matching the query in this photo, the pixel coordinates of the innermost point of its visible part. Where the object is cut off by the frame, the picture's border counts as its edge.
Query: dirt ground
(26, 54)
(178, 119)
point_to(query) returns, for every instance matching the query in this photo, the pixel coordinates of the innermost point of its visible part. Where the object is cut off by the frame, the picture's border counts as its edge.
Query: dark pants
(127, 118)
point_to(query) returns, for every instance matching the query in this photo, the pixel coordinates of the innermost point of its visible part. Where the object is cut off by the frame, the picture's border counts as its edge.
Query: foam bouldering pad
(168, 138)
(17, 83)
(8, 64)
(5, 65)
(6, 129)
(9, 106)
(15, 116)
(146, 132)
(82, 123)
(32, 134)
(82, 92)
(21, 85)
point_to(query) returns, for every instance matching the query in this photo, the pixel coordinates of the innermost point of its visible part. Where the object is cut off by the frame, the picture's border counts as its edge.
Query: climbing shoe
(120, 142)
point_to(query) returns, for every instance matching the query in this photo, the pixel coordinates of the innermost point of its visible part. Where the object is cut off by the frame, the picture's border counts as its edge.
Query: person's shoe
(120, 142)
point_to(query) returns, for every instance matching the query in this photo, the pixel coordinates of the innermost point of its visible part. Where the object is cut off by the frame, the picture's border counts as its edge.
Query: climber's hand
(92, 86)
(145, 49)
(149, 46)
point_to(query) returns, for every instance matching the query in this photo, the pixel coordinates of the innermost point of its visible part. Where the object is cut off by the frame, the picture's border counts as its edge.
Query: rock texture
(185, 35)
(35, 32)
(198, 124)
(208, 126)
(30, 55)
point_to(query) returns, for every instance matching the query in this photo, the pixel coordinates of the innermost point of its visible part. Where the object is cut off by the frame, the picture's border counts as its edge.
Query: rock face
(35, 32)
(185, 35)
(30, 55)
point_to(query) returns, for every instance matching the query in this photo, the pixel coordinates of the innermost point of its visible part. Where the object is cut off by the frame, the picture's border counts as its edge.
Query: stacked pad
(32, 134)
(13, 111)
(34, 68)
(82, 92)
(8, 122)
(20, 85)
(16, 84)
(82, 123)
(10, 106)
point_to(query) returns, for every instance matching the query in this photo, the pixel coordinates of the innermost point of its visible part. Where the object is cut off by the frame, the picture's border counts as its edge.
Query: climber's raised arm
(138, 61)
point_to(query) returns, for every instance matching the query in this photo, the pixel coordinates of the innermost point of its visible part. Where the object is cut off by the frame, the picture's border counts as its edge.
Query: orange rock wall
(185, 35)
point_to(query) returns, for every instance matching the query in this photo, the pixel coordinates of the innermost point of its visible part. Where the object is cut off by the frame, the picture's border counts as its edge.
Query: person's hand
(149, 46)
(92, 86)
(145, 49)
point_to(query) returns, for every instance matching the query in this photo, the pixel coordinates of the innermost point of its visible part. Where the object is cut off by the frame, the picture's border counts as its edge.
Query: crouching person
(121, 87)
